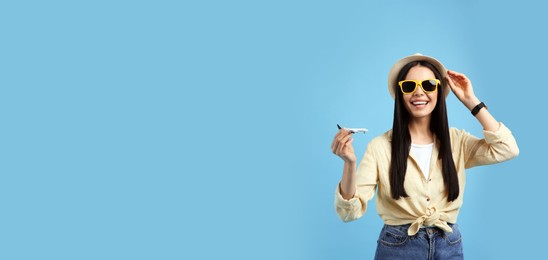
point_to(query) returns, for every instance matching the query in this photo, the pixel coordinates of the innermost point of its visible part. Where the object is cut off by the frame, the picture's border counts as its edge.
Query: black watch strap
(477, 108)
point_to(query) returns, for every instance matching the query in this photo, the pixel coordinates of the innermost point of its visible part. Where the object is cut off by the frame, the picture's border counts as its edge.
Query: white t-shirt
(422, 154)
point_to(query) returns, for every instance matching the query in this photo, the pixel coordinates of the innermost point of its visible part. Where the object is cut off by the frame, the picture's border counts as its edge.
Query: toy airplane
(354, 130)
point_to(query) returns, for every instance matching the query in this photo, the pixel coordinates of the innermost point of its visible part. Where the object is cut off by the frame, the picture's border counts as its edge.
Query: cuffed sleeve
(350, 209)
(497, 146)
(366, 183)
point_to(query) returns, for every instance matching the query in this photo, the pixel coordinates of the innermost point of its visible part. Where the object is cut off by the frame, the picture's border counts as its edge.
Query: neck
(419, 129)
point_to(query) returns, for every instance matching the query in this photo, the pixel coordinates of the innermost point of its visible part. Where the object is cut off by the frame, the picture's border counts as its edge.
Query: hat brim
(395, 70)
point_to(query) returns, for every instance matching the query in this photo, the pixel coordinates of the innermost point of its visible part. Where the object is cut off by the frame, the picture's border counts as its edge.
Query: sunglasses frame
(418, 83)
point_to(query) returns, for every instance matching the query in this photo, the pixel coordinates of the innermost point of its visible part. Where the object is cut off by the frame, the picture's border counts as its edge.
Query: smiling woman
(417, 169)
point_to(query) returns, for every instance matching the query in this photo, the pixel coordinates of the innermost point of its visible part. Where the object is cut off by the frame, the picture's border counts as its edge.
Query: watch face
(477, 108)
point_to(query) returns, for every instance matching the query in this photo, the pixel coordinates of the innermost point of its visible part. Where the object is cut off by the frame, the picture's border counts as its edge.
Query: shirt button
(428, 199)
(429, 179)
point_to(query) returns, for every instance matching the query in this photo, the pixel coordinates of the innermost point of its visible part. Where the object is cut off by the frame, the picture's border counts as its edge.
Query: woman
(418, 167)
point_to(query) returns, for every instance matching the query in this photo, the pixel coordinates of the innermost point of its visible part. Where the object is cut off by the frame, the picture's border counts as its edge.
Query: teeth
(419, 103)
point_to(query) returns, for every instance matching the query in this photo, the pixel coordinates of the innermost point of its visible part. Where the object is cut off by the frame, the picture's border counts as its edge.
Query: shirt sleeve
(366, 183)
(497, 146)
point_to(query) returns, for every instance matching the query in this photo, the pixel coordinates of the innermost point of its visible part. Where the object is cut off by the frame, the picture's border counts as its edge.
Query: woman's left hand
(462, 87)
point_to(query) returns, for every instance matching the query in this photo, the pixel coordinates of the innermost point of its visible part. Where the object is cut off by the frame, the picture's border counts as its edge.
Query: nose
(418, 91)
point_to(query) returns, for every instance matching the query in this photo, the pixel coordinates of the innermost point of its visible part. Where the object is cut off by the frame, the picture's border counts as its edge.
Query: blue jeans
(428, 244)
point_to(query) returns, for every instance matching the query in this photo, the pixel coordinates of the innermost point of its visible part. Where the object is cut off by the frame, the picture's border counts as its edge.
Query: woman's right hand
(342, 146)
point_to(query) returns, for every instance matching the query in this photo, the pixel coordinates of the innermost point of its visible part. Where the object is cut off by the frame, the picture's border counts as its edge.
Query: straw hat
(392, 76)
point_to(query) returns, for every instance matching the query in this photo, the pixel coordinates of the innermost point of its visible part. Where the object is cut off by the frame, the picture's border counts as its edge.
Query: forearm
(348, 180)
(487, 121)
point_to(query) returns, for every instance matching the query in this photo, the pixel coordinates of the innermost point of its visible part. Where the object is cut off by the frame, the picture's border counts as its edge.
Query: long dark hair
(401, 139)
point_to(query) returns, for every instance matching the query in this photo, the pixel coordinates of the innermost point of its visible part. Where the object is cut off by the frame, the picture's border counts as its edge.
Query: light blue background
(186, 130)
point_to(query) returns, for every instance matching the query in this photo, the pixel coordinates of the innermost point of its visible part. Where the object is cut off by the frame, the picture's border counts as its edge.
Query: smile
(419, 104)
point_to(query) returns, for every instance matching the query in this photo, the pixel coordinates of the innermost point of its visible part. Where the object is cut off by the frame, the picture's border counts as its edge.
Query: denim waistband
(405, 227)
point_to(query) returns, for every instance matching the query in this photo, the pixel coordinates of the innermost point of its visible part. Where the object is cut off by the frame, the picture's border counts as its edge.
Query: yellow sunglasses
(427, 85)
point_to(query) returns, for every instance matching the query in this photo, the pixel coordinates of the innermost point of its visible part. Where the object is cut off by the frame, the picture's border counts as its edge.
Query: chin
(419, 114)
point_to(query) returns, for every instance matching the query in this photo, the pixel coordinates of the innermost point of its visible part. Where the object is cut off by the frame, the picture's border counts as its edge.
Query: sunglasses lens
(408, 86)
(429, 85)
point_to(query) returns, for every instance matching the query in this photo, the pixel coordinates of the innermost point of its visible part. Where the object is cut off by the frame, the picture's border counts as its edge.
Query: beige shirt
(427, 202)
